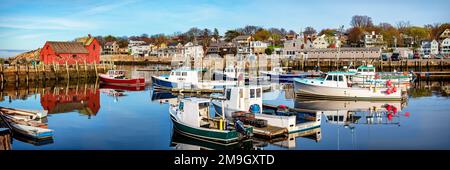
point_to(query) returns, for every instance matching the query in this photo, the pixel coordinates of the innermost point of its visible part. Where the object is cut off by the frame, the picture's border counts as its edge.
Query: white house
(291, 47)
(135, 43)
(320, 42)
(258, 47)
(434, 49)
(445, 46)
(425, 49)
(404, 52)
(373, 40)
(193, 51)
(141, 50)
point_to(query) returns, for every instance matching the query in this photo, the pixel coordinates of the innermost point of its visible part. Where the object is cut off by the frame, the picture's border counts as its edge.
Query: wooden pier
(270, 132)
(28, 72)
(330, 64)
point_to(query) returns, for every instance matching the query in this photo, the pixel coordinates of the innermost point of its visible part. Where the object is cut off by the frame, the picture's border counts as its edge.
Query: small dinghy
(31, 131)
(27, 127)
(32, 113)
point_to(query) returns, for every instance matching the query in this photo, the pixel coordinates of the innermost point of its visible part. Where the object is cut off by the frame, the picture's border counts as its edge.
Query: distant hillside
(28, 56)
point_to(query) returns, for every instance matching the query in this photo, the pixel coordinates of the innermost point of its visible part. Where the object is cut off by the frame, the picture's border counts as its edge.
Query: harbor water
(87, 116)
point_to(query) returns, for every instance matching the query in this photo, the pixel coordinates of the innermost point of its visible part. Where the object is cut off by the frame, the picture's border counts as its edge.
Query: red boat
(117, 77)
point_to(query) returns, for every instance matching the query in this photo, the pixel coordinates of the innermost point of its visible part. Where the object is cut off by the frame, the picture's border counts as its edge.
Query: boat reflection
(163, 97)
(183, 142)
(348, 113)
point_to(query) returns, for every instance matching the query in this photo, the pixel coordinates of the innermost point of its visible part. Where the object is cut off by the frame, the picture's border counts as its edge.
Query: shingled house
(86, 49)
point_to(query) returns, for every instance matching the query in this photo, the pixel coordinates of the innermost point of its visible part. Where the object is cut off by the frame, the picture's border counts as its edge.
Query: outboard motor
(240, 127)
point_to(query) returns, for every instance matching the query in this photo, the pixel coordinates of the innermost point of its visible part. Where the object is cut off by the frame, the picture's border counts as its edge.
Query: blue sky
(26, 24)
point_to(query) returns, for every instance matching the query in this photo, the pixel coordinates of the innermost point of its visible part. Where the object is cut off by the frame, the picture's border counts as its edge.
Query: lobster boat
(191, 117)
(337, 86)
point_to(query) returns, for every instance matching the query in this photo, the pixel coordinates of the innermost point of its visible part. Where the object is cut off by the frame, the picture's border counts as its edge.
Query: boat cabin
(331, 79)
(194, 111)
(185, 75)
(279, 70)
(233, 72)
(117, 74)
(366, 70)
(243, 97)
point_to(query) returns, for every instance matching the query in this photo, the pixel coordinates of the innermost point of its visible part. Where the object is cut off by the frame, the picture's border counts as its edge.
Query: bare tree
(248, 30)
(403, 25)
(385, 26)
(361, 21)
(309, 31)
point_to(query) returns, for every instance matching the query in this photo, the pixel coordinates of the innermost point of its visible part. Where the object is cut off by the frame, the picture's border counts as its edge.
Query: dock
(426, 74)
(270, 132)
(42, 72)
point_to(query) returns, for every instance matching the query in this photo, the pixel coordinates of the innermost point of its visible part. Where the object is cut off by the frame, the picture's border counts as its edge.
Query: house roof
(241, 37)
(67, 47)
(85, 40)
(110, 43)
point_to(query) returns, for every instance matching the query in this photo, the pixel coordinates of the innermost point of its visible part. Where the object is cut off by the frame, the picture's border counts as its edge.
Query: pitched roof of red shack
(68, 47)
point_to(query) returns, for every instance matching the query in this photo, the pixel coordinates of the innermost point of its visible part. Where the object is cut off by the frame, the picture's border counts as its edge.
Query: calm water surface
(86, 116)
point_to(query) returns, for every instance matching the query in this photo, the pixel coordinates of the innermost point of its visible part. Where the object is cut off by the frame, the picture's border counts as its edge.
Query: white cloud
(44, 23)
(97, 9)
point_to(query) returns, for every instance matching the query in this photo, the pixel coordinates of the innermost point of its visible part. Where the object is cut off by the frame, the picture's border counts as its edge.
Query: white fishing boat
(336, 86)
(188, 78)
(249, 99)
(229, 73)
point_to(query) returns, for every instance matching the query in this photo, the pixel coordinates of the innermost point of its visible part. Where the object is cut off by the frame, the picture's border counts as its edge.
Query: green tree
(269, 51)
(216, 33)
(109, 38)
(261, 35)
(231, 34)
(418, 33)
(328, 32)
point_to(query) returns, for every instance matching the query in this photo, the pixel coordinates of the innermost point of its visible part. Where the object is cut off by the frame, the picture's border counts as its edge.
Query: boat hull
(34, 132)
(204, 133)
(163, 82)
(283, 77)
(337, 93)
(123, 82)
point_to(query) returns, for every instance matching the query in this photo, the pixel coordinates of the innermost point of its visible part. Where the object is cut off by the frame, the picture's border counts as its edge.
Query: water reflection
(351, 112)
(84, 99)
(345, 124)
(290, 141)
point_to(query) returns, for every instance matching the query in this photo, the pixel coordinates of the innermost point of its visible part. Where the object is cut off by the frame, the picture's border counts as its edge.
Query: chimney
(89, 35)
